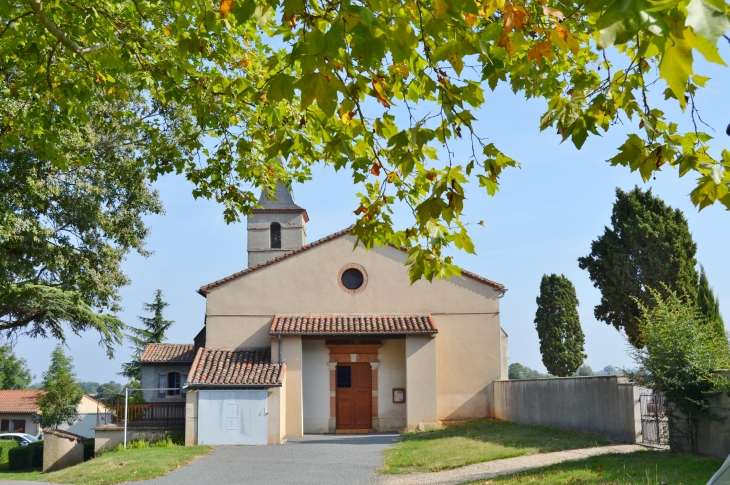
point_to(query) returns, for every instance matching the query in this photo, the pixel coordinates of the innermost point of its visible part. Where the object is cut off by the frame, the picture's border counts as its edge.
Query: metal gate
(232, 417)
(654, 422)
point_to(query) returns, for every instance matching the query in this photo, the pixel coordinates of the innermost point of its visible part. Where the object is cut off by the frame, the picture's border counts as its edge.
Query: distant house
(18, 410)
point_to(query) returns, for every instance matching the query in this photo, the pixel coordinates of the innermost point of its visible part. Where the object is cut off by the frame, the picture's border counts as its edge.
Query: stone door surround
(346, 353)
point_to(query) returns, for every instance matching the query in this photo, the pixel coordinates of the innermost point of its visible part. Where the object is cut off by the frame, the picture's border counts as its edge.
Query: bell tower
(277, 228)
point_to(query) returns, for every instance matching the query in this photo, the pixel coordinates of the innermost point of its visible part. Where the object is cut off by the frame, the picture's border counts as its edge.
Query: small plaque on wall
(399, 395)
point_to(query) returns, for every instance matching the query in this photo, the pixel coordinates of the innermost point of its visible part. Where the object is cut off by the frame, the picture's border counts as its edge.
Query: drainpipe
(501, 293)
(279, 348)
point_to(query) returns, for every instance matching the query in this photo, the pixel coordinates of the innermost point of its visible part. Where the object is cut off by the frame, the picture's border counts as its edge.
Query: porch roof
(168, 353)
(352, 325)
(220, 368)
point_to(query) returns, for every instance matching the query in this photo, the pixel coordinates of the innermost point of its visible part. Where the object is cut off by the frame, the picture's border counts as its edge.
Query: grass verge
(639, 468)
(479, 441)
(117, 466)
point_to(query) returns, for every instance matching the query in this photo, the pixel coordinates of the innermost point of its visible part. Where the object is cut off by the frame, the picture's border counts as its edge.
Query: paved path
(309, 460)
(490, 469)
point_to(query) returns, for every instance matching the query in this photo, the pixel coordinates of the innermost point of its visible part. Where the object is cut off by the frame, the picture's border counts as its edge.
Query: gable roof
(284, 203)
(204, 290)
(353, 325)
(164, 353)
(19, 401)
(235, 368)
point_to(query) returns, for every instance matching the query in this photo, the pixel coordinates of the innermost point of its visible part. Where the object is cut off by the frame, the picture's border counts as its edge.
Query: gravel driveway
(309, 460)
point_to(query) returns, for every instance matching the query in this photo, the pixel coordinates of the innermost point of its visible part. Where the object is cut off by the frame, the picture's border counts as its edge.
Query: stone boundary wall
(713, 436)
(608, 405)
(109, 437)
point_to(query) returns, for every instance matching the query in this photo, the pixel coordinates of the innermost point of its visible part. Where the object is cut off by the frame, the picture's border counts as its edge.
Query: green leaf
(676, 64)
(281, 87)
(624, 19)
(315, 86)
(707, 20)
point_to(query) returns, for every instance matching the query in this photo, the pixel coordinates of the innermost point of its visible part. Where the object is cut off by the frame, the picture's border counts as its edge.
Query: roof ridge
(205, 289)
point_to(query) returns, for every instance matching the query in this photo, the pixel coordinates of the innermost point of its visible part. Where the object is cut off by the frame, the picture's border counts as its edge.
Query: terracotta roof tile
(352, 325)
(222, 367)
(168, 353)
(19, 401)
(204, 290)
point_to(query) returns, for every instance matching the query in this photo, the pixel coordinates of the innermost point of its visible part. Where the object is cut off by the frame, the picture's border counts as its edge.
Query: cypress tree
(709, 304)
(558, 326)
(152, 333)
(649, 246)
(58, 405)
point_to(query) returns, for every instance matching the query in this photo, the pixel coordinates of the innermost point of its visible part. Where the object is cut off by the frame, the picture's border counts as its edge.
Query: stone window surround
(364, 278)
(353, 353)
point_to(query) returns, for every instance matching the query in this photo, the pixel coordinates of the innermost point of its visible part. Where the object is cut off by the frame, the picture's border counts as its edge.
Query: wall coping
(613, 376)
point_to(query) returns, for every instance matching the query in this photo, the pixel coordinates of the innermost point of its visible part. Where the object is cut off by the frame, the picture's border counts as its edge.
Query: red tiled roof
(238, 368)
(162, 353)
(17, 401)
(352, 325)
(204, 290)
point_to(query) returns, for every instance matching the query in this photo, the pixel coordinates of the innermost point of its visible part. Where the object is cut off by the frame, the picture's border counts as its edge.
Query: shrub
(20, 458)
(89, 451)
(5, 447)
(36, 454)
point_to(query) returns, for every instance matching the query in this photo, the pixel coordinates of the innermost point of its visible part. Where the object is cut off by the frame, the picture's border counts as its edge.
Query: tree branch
(48, 66)
(37, 6)
(12, 21)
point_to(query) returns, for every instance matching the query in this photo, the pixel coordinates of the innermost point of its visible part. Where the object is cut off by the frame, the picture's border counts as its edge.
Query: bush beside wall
(89, 449)
(5, 447)
(25, 457)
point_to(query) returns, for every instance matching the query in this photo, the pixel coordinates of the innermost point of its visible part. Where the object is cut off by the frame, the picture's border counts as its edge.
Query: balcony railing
(147, 415)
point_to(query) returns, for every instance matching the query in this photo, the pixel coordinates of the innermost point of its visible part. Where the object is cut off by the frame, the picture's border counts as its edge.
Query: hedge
(89, 452)
(5, 447)
(24, 457)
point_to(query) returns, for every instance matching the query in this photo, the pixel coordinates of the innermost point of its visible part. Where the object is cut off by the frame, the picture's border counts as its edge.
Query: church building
(321, 338)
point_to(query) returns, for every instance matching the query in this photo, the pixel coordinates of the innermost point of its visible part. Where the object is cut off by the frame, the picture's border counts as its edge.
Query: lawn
(639, 468)
(116, 466)
(479, 441)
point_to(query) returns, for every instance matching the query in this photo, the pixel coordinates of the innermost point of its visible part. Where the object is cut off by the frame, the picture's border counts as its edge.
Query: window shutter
(163, 385)
(183, 381)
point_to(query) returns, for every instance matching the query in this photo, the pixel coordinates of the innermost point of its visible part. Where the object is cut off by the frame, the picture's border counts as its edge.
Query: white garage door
(232, 417)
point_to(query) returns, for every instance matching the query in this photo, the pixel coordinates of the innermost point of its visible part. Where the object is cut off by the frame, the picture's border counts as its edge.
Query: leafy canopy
(153, 332)
(58, 404)
(383, 89)
(681, 359)
(65, 232)
(14, 372)
(519, 371)
(558, 327)
(648, 246)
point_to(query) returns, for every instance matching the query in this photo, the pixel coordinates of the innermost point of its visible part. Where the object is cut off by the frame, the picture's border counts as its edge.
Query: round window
(352, 279)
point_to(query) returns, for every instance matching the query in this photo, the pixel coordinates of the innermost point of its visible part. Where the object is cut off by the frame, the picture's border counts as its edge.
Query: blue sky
(543, 219)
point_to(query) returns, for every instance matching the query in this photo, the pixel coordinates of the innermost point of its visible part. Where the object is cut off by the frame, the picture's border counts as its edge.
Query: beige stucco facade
(446, 376)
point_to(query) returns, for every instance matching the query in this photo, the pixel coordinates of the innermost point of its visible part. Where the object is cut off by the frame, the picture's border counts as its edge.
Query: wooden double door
(354, 397)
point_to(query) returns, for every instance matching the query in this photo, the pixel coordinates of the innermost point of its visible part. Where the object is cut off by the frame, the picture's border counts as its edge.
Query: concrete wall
(307, 284)
(191, 418)
(503, 340)
(30, 426)
(238, 331)
(277, 415)
(109, 437)
(61, 451)
(151, 380)
(293, 235)
(713, 437)
(292, 357)
(391, 375)
(468, 352)
(421, 385)
(83, 427)
(315, 386)
(604, 404)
